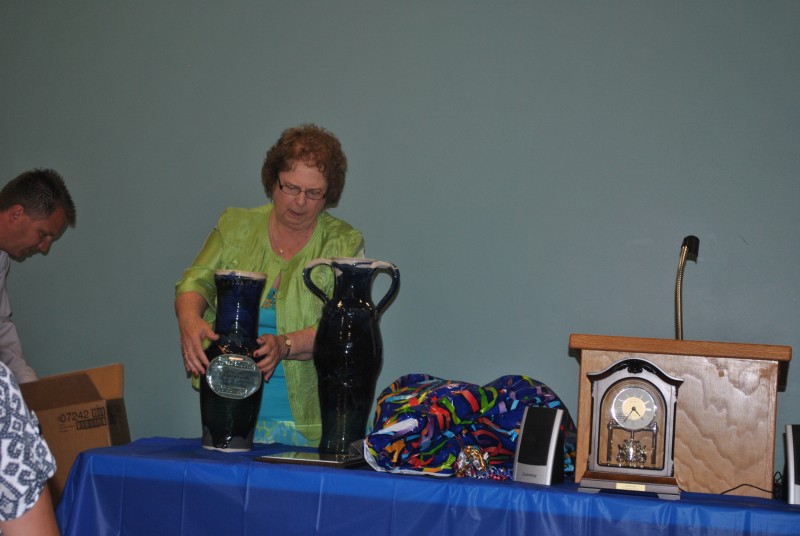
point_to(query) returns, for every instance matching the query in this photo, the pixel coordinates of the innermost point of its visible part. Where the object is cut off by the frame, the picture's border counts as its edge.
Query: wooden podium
(725, 418)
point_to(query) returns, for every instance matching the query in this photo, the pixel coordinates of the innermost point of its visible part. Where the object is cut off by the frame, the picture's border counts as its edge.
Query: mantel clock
(632, 429)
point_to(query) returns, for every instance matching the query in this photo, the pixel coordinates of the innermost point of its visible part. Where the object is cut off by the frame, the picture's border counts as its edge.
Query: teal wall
(530, 167)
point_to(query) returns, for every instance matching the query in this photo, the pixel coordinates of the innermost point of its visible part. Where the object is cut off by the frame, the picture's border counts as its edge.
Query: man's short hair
(40, 192)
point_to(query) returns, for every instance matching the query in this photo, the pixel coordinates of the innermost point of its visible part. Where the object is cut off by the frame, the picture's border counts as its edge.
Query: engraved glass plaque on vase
(230, 390)
(348, 349)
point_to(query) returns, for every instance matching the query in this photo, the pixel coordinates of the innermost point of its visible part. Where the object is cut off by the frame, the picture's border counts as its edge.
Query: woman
(27, 464)
(303, 174)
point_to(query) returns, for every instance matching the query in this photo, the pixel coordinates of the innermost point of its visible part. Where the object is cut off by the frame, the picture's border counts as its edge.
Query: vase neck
(353, 283)
(238, 302)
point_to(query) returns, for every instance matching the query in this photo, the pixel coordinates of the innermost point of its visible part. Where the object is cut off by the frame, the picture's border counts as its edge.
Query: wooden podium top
(676, 347)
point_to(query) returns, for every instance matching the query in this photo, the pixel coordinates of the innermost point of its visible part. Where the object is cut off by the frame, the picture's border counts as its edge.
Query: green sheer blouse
(240, 241)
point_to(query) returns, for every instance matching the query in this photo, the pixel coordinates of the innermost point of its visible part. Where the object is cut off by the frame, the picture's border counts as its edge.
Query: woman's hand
(272, 350)
(189, 307)
(193, 331)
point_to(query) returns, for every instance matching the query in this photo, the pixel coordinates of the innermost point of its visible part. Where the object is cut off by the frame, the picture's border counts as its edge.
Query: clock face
(634, 407)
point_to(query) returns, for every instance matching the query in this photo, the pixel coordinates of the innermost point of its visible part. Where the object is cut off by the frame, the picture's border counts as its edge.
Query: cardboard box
(78, 411)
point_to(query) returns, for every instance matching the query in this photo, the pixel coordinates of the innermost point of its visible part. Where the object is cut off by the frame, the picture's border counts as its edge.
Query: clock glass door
(632, 416)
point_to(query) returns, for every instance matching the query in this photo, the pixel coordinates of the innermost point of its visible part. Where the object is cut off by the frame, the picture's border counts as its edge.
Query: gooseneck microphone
(690, 246)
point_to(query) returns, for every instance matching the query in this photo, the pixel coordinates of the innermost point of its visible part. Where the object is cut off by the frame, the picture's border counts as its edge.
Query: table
(164, 486)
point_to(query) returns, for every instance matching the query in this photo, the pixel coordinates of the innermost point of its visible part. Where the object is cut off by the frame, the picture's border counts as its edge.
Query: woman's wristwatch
(288, 343)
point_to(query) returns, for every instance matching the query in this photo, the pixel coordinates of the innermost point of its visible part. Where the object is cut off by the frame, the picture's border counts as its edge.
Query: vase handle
(395, 282)
(310, 284)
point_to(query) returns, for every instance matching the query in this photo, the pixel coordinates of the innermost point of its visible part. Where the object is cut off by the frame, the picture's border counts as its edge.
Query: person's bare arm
(39, 520)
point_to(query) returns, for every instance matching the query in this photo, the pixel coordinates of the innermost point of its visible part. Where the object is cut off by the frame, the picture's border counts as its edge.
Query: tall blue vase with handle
(348, 348)
(230, 390)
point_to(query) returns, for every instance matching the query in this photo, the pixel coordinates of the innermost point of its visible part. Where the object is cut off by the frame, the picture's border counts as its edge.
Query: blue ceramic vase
(348, 349)
(229, 419)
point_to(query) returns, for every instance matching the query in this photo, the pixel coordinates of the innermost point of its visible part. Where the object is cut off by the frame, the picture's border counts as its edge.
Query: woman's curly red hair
(313, 146)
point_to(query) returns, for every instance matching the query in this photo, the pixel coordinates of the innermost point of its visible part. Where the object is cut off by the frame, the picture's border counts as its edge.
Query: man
(35, 209)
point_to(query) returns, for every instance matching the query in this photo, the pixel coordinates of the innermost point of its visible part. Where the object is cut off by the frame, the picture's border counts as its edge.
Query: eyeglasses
(291, 189)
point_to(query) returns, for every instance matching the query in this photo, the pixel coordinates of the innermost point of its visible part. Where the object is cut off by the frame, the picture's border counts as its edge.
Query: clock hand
(628, 415)
(631, 413)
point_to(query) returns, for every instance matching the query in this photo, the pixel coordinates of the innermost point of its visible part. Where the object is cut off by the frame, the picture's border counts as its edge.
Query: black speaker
(793, 463)
(540, 447)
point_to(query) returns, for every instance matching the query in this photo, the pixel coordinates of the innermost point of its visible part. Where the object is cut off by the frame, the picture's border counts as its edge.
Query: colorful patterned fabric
(422, 423)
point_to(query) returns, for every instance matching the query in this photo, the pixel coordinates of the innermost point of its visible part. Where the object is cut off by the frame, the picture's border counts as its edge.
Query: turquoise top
(275, 401)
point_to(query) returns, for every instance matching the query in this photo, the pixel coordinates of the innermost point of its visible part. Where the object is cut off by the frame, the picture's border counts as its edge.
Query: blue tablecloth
(162, 486)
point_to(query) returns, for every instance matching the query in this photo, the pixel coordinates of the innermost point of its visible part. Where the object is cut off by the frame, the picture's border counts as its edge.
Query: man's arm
(10, 347)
